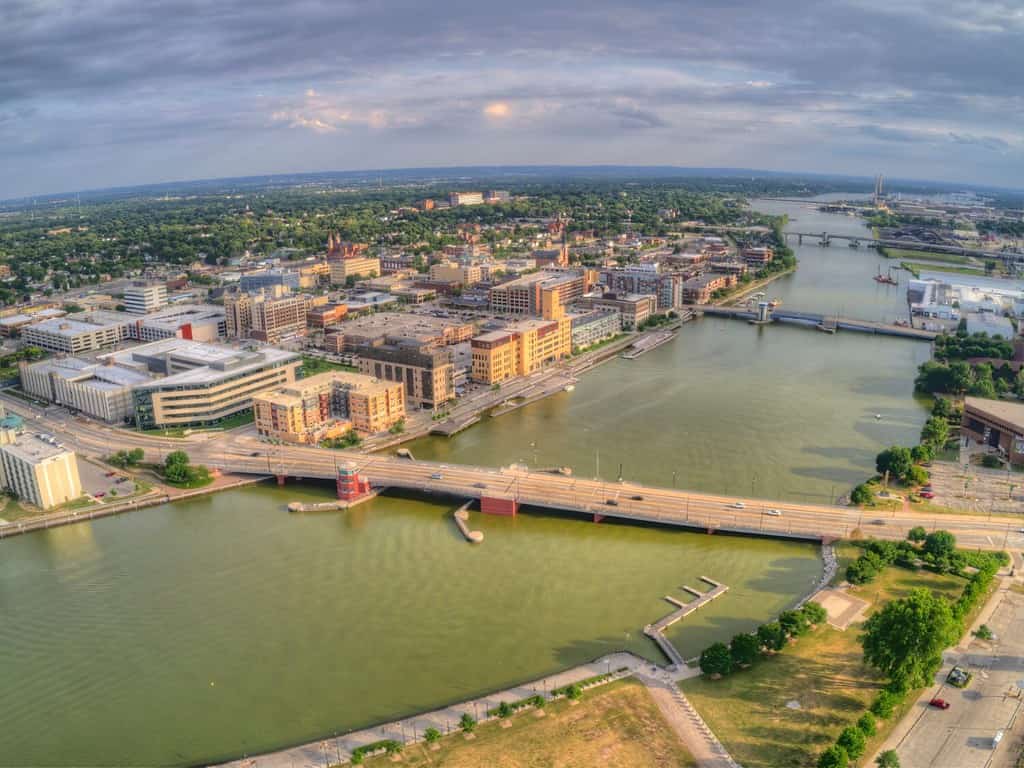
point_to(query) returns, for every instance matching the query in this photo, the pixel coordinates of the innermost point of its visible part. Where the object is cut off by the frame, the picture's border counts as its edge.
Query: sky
(97, 93)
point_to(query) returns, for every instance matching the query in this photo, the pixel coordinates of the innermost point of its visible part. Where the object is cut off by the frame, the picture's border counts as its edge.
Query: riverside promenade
(337, 749)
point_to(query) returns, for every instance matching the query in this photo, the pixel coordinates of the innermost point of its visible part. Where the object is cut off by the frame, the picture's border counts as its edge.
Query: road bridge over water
(830, 322)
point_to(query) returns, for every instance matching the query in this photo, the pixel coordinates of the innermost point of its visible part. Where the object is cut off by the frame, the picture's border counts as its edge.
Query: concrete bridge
(830, 323)
(506, 490)
(826, 238)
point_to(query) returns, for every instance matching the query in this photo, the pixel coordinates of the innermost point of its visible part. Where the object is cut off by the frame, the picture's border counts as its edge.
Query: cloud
(92, 90)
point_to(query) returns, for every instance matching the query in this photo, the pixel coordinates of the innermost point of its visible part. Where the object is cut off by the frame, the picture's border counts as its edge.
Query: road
(240, 451)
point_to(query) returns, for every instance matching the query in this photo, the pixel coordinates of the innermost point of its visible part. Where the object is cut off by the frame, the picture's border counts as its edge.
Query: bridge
(829, 323)
(826, 238)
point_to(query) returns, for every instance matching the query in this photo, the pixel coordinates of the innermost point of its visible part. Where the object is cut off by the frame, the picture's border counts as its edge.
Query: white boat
(570, 387)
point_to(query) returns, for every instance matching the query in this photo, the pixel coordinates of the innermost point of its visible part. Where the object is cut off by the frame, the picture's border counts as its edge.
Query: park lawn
(314, 365)
(905, 253)
(824, 671)
(919, 266)
(614, 726)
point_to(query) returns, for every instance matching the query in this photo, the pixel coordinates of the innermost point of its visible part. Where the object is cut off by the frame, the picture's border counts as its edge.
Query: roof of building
(84, 322)
(213, 361)
(34, 449)
(1011, 413)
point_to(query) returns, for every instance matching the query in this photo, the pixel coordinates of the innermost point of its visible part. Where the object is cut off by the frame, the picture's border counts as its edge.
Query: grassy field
(922, 267)
(614, 726)
(823, 671)
(903, 253)
(314, 365)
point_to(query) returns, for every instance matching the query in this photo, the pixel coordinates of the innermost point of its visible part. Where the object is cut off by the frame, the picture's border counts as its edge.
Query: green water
(222, 626)
(780, 412)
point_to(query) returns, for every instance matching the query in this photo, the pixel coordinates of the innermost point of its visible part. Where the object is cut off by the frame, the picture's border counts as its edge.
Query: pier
(656, 631)
(655, 339)
(461, 516)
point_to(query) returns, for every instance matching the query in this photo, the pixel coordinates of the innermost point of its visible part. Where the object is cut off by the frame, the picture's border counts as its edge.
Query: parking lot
(977, 489)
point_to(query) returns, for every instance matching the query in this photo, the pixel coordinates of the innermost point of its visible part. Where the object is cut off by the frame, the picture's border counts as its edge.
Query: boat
(774, 303)
(570, 387)
(886, 279)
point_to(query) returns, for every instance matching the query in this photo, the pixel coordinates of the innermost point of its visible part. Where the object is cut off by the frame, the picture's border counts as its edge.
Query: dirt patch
(843, 608)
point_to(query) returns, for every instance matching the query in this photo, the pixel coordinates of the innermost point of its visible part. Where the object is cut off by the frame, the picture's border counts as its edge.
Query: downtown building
(519, 349)
(652, 279)
(40, 471)
(426, 371)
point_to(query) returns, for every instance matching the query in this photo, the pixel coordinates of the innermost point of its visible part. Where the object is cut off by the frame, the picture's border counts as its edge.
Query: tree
(866, 724)
(744, 649)
(884, 704)
(935, 432)
(896, 460)
(852, 740)
(136, 455)
(574, 692)
(467, 723)
(861, 495)
(771, 636)
(888, 759)
(905, 639)
(834, 757)
(916, 476)
(942, 408)
(716, 660)
(960, 377)
(814, 613)
(504, 709)
(176, 467)
(431, 735)
(940, 544)
(922, 453)
(793, 623)
(917, 533)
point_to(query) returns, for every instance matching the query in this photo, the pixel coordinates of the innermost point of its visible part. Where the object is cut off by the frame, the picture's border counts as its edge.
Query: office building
(327, 405)
(329, 314)
(634, 309)
(378, 328)
(455, 273)
(427, 372)
(101, 389)
(497, 196)
(519, 349)
(202, 384)
(341, 270)
(81, 332)
(465, 198)
(525, 295)
(40, 471)
(143, 298)
(270, 278)
(266, 317)
(196, 322)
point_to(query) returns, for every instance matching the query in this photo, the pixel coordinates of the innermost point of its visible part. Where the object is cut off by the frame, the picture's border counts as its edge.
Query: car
(926, 495)
(121, 480)
(773, 512)
(637, 497)
(738, 505)
(255, 453)
(100, 495)
(612, 503)
(939, 703)
(435, 476)
(479, 485)
(878, 522)
(111, 474)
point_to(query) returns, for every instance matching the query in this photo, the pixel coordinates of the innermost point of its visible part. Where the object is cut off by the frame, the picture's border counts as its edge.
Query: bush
(861, 495)
(431, 735)
(467, 723)
(888, 759)
(716, 660)
(504, 709)
(834, 757)
(575, 692)
(866, 724)
(991, 461)
(852, 741)
(885, 702)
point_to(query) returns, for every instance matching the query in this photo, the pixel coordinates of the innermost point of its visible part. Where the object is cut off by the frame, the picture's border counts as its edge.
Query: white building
(143, 298)
(198, 322)
(80, 332)
(992, 324)
(101, 389)
(40, 471)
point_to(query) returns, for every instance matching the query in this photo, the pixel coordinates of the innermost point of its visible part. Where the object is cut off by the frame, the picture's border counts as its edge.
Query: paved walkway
(332, 751)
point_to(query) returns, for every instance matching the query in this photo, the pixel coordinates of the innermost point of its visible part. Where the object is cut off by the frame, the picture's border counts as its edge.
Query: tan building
(354, 266)
(327, 405)
(40, 471)
(520, 349)
(633, 308)
(700, 290)
(454, 273)
(525, 295)
(427, 372)
(266, 317)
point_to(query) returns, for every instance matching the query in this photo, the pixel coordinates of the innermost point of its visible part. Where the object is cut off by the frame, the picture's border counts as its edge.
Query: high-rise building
(427, 372)
(525, 295)
(143, 298)
(40, 471)
(265, 317)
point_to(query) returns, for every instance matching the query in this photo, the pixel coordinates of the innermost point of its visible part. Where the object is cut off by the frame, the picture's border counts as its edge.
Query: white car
(738, 505)
(774, 512)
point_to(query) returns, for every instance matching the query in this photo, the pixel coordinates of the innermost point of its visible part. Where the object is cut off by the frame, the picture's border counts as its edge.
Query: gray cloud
(106, 91)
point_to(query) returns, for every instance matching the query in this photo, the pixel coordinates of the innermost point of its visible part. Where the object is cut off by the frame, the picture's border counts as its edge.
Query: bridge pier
(493, 505)
(281, 479)
(598, 517)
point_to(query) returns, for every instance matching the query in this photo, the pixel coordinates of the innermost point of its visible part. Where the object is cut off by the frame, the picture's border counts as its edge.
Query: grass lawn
(614, 726)
(823, 671)
(314, 365)
(917, 265)
(905, 253)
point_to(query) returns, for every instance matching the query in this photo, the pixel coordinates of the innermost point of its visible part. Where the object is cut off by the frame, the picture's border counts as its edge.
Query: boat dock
(655, 339)
(461, 516)
(656, 631)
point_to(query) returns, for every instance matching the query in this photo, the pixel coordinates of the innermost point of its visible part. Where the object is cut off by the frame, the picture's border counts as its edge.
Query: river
(206, 629)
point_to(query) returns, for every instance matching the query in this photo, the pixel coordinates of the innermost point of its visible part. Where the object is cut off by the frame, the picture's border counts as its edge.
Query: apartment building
(594, 326)
(701, 289)
(427, 372)
(327, 405)
(198, 384)
(759, 257)
(652, 279)
(519, 349)
(266, 317)
(40, 471)
(525, 295)
(340, 270)
(143, 298)
(633, 308)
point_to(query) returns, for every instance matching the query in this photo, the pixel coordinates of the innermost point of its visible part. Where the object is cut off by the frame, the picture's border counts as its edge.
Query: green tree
(852, 740)
(136, 455)
(574, 692)
(176, 467)
(917, 533)
(467, 723)
(814, 613)
(884, 704)
(942, 408)
(771, 636)
(960, 377)
(393, 747)
(935, 432)
(905, 639)
(716, 660)
(744, 649)
(866, 724)
(431, 735)
(793, 623)
(940, 544)
(861, 495)
(834, 757)
(888, 759)
(504, 709)
(896, 460)
(922, 453)
(916, 476)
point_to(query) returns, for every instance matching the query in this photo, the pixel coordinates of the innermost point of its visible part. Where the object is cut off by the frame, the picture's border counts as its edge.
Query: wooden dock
(656, 631)
(461, 516)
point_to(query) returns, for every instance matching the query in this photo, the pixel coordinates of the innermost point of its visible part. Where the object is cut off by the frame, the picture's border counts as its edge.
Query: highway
(241, 452)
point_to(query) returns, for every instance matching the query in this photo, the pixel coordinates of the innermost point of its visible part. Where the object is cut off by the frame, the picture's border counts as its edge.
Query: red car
(927, 495)
(939, 703)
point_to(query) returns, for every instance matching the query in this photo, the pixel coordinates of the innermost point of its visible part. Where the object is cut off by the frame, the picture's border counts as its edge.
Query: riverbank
(745, 290)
